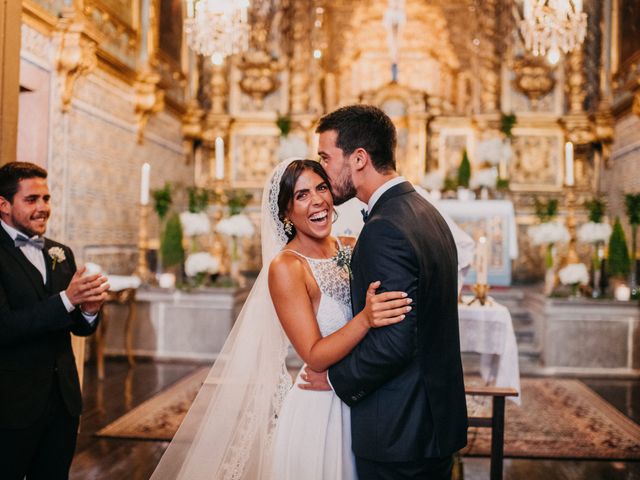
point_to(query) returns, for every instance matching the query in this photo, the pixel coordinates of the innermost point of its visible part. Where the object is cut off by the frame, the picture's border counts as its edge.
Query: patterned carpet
(557, 419)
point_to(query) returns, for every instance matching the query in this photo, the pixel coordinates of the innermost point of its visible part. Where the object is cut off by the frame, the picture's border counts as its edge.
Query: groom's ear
(5, 206)
(361, 159)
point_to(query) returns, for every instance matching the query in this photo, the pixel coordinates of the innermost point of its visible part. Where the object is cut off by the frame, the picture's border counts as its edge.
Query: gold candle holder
(142, 270)
(480, 291)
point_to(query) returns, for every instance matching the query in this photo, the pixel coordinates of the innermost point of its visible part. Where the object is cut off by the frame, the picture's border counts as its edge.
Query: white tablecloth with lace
(488, 330)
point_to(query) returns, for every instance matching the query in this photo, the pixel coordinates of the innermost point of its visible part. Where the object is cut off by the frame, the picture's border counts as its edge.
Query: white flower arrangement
(574, 274)
(236, 226)
(592, 232)
(57, 255)
(487, 177)
(433, 181)
(201, 262)
(292, 146)
(194, 223)
(548, 233)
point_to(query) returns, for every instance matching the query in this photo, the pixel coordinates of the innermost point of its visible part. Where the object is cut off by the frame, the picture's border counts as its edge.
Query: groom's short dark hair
(367, 127)
(11, 173)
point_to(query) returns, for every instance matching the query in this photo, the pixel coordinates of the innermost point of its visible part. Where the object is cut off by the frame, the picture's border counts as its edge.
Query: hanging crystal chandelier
(552, 25)
(217, 28)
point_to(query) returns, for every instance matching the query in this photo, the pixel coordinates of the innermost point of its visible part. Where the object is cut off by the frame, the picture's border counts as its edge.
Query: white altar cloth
(488, 330)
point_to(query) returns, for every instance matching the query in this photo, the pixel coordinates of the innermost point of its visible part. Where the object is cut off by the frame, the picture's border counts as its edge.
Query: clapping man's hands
(89, 292)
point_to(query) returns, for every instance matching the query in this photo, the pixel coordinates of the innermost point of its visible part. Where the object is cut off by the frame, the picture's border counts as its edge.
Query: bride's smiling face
(311, 209)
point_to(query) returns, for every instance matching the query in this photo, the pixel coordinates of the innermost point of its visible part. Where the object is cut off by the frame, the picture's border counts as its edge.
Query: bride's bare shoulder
(286, 266)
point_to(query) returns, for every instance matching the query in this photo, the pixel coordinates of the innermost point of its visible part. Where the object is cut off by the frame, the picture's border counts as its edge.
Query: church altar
(174, 324)
(494, 219)
(586, 337)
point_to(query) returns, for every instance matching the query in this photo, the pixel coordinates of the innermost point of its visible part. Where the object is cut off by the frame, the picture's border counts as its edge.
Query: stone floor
(123, 389)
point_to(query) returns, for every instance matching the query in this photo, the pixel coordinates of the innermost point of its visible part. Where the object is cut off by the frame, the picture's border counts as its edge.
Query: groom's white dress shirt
(36, 257)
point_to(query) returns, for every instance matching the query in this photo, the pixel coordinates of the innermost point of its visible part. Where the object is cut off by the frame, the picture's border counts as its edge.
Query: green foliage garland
(237, 200)
(162, 200)
(618, 265)
(506, 123)
(596, 206)
(546, 211)
(464, 171)
(284, 124)
(198, 199)
(171, 245)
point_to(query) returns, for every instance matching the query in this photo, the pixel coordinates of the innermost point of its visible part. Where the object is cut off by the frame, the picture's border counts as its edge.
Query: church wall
(623, 174)
(94, 161)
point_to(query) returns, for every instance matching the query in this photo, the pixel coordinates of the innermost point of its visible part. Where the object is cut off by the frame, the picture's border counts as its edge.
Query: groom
(404, 382)
(42, 300)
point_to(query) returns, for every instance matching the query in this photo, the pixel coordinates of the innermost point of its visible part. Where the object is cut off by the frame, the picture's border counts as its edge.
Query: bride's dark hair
(288, 182)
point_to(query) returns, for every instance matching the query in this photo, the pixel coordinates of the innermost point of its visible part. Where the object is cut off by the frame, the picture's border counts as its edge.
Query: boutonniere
(343, 259)
(57, 255)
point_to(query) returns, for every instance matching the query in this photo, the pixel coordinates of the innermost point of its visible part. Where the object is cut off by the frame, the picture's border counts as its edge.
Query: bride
(247, 422)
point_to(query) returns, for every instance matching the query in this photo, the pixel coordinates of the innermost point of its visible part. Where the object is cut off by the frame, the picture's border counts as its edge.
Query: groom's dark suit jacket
(404, 382)
(35, 341)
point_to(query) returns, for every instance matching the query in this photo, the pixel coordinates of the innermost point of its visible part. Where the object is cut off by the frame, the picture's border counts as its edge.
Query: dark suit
(404, 382)
(40, 399)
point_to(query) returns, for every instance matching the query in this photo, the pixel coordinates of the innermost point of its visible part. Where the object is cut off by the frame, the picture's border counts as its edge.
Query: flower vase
(598, 256)
(550, 273)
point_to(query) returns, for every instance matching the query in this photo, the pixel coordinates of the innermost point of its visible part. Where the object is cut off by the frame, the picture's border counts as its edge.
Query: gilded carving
(76, 56)
(636, 100)
(259, 75)
(149, 100)
(537, 161)
(533, 78)
(254, 157)
(118, 37)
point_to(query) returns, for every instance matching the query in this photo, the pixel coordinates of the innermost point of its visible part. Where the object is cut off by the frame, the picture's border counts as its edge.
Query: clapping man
(43, 299)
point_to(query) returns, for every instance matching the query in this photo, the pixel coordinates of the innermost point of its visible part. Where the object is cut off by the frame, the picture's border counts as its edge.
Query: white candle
(219, 158)
(144, 184)
(569, 180)
(482, 261)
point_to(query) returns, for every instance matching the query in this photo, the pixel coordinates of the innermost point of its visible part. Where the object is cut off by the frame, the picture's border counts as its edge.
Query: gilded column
(217, 121)
(10, 12)
(578, 128)
(299, 82)
(489, 62)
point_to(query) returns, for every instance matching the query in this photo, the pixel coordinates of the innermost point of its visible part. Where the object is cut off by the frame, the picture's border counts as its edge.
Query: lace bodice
(334, 310)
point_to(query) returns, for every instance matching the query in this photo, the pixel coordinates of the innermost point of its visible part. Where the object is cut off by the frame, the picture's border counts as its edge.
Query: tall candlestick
(144, 184)
(569, 179)
(219, 158)
(482, 261)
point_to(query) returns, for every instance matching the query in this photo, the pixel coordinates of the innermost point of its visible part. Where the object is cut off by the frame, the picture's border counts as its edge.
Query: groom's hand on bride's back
(383, 309)
(315, 380)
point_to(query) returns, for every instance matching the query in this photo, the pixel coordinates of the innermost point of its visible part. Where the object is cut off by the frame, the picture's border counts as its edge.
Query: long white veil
(228, 430)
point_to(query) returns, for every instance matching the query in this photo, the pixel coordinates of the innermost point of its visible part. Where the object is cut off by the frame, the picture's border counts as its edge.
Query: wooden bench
(495, 422)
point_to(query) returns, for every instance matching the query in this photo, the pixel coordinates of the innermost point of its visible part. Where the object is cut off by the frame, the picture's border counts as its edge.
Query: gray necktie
(21, 241)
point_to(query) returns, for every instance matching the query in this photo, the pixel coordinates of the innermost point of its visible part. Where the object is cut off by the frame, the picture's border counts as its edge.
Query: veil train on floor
(228, 430)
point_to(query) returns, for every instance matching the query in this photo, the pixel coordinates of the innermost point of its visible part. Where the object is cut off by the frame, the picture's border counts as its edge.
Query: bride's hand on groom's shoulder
(383, 309)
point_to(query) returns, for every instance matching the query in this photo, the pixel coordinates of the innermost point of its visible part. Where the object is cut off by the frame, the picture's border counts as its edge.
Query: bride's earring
(288, 226)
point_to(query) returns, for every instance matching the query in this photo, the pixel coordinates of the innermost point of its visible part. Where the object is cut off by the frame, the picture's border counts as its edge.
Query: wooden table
(126, 297)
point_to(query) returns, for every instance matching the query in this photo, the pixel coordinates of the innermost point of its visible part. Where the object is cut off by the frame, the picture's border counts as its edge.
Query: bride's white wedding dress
(247, 422)
(312, 440)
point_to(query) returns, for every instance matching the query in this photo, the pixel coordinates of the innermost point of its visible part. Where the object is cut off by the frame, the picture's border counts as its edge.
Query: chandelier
(552, 25)
(217, 28)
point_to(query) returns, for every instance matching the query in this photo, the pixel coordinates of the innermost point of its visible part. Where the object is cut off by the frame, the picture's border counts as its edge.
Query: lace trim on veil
(228, 432)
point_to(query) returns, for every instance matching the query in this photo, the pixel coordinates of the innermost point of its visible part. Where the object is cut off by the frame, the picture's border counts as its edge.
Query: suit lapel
(29, 270)
(396, 190)
(48, 265)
